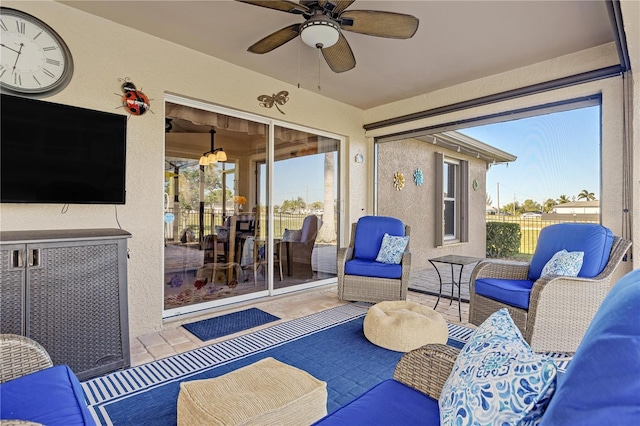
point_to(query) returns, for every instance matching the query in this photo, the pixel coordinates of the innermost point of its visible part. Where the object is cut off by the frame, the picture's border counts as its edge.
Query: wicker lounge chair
(296, 255)
(35, 391)
(560, 308)
(371, 287)
(20, 356)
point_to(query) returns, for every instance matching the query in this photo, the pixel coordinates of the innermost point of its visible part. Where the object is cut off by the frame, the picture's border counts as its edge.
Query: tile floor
(175, 339)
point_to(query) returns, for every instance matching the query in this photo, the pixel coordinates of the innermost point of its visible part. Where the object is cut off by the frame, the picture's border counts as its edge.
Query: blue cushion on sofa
(511, 292)
(592, 239)
(388, 403)
(371, 268)
(52, 397)
(602, 385)
(369, 233)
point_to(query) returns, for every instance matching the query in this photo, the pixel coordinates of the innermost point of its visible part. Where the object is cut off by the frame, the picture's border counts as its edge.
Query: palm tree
(586, 195)
(327, 232)
(563, 199)
(548, 205)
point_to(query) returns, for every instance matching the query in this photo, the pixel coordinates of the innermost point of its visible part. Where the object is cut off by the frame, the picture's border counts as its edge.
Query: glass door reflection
(305, 214)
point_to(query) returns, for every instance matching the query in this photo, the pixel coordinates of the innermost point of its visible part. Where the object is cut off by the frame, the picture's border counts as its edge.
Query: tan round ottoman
(267, 392)
(402, 326)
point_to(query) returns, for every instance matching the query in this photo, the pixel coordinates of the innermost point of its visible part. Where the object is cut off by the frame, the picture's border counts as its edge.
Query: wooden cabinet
(67, 290)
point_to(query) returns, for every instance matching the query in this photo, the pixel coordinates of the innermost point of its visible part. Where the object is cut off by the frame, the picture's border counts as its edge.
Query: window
(452, 175)
(450, 179)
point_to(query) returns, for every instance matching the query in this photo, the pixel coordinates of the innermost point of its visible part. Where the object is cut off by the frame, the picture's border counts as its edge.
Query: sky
(300, 177)
(558, 154)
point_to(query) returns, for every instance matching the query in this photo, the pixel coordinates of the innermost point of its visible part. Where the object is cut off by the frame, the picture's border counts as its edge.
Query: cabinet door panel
(11, 290)
(73, 304)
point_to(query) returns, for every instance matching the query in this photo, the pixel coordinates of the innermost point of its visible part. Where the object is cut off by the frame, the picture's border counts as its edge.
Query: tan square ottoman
(267, 392)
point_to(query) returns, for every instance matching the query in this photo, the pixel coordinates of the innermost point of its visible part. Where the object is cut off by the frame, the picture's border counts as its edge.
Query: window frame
(460, 199)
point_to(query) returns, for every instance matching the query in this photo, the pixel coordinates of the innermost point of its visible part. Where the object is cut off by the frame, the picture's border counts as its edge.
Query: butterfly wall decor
(280, 98)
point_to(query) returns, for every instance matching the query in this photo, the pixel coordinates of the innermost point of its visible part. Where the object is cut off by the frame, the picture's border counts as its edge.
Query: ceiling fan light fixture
(320, 33)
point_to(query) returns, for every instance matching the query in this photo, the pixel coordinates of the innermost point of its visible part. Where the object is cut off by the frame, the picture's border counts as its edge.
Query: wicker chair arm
(406, 274)
(344, 254)
(427, 368)
(500, 269)
(20, 355)
(556, 301)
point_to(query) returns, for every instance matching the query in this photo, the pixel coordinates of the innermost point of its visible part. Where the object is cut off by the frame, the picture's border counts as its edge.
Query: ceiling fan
(324, 22)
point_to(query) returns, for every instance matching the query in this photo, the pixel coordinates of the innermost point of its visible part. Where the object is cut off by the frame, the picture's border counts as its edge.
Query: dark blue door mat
(224, 325)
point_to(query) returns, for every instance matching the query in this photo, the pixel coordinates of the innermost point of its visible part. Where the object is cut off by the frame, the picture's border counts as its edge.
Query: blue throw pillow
(564, 263)
(392, 249)
(497, 379)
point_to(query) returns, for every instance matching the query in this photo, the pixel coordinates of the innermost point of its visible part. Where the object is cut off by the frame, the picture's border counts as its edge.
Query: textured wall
(415, 205)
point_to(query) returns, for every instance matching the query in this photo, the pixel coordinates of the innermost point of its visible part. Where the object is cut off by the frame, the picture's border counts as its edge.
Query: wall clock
(35, 60)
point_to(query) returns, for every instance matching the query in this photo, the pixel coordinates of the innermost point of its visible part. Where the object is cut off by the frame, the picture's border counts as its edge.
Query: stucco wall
(103, 52)
(415, 205)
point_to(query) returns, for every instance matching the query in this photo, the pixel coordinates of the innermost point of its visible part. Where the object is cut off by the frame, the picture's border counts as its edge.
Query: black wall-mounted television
(53, 153)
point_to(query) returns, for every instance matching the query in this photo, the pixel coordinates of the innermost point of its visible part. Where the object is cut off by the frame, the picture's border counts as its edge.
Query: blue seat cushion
(602, 383)
(371, 268)
(52, 397)
(511, 292)
(592, 239)
(369, 233)
(388, 403)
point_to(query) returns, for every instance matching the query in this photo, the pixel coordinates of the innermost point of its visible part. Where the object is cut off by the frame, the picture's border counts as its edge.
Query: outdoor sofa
(33, 389)
(600, 385)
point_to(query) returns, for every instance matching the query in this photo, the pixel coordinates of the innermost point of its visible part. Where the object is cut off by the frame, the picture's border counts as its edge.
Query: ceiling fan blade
(339, 57)
(276, 39)
(379, 24)
(335, 6)
(282, 5)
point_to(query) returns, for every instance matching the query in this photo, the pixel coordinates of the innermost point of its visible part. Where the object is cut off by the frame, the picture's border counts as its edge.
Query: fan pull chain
(300, 42)
(319, 54)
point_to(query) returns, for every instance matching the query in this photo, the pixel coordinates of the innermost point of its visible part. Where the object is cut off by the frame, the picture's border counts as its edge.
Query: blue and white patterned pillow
(497, 379)
(567, 263)
(392, 249)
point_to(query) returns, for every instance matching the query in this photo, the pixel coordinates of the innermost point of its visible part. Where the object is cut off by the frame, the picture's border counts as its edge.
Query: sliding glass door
(250, 207)
(305, 192)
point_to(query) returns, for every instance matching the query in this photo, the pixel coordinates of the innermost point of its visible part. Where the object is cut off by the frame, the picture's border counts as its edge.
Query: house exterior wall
(576, 210)
(415, 205)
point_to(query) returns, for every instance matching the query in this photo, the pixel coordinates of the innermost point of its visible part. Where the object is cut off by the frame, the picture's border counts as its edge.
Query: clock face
(33, 58)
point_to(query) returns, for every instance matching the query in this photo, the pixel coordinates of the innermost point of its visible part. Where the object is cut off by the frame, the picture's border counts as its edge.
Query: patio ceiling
(456, 41)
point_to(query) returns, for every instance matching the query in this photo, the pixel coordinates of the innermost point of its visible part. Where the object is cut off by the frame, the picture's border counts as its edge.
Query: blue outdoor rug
(224, 325)
(330, 345)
